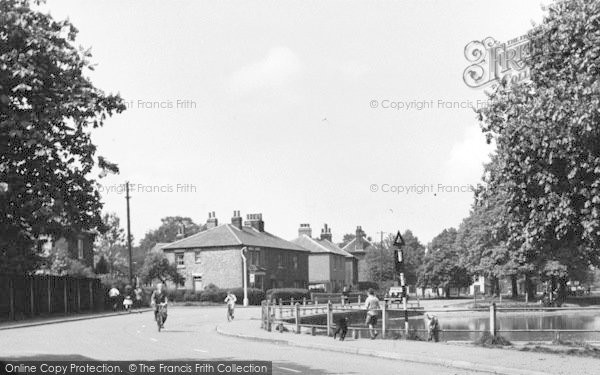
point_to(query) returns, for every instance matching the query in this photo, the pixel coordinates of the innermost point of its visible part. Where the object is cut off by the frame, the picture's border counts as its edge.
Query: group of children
(372, 306)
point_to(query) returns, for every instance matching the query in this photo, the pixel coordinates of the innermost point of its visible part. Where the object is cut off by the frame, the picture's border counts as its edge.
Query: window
(80, 248)
(295, 261)
(198, 257)
(280, 261)
(179, 260)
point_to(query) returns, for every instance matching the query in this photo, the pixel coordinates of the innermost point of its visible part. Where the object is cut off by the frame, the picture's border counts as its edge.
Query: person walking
(372, 307)
(113, 295)
(230, 300)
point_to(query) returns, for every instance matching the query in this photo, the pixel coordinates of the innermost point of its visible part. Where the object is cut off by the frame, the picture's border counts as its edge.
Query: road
(190, 335)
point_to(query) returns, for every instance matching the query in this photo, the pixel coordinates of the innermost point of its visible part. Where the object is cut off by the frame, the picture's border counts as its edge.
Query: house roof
(353, 246)
(229, 235)
(158, 247)
(316, 246)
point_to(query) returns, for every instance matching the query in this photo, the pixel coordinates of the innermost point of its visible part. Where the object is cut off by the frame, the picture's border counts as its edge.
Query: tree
(348, 237)
(380, 263)
(101, 266)
(441, 266)
(547, 133)
(111, 245)
(413, 254)
(157, 266)
(167, 232)
(48, 108)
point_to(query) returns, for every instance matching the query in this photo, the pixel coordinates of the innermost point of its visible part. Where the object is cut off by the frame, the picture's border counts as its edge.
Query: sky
(340, 112)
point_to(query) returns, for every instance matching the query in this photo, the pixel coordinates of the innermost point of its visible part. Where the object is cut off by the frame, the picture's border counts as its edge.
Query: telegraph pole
(127, 197)
(381, 256)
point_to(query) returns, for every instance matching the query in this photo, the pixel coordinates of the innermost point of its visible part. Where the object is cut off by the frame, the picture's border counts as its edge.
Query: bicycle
(161, 316)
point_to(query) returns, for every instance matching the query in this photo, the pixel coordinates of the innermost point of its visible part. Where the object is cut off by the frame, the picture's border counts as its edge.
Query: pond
(531, 320)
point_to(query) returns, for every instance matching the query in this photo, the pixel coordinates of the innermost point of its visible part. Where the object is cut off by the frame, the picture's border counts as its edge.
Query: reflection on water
(516, 321)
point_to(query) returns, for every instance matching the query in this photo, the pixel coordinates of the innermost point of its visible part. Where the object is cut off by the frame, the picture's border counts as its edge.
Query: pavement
(64, 318)
(202, 333)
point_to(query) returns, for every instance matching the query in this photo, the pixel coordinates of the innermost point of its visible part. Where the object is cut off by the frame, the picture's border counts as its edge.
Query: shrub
(255, 296)
(217, 296)
(175, 295)
(287, 294)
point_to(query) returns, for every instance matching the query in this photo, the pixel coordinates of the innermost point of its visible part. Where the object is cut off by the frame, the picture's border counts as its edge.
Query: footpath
(495, 361)
(64, 318)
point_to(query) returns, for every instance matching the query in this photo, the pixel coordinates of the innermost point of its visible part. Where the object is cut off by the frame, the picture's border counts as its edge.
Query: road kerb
(463, 365)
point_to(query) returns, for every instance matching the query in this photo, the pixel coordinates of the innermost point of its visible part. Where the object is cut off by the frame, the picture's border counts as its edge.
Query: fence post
(316, 300)
(329, 318)
(11, 298)
(49, 294)
(292, 301)
(91, 294)
(359, 299)
(78, 295)
(297, 311)
(65, 280)
(32, 295)
(281, 308)
(383, 319)
(304, 305)
(493, 319)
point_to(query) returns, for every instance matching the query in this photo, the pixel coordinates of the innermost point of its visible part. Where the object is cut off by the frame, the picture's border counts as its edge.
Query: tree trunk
(514, 286)
(529, 288)
(447, 292)
(497, 286)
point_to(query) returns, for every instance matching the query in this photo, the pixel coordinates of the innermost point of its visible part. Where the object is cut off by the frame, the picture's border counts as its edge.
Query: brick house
(359, 247)
(328, 265)
(214, 257)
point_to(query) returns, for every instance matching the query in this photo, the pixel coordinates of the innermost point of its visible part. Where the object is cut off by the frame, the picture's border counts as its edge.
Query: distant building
(214, 257)
(79, 246)
(358, 248)
(328, 264)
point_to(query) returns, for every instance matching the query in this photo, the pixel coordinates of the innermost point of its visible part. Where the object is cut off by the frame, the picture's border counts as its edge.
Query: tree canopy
(48, 107)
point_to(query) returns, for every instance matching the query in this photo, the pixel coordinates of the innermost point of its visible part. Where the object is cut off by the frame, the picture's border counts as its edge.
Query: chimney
(255, 221)
(359, 238)
(212, 220)
(236, 220)
(304, 229)
(326, 233)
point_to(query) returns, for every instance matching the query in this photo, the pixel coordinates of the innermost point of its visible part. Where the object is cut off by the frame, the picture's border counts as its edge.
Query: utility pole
(381, 233)
(399, 261)
(127, 197)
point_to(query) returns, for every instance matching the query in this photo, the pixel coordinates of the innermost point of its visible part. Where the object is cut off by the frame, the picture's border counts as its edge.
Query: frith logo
(492, 61)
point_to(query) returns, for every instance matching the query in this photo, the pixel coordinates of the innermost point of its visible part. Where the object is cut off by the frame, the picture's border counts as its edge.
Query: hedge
(255, 296)
(287, 294)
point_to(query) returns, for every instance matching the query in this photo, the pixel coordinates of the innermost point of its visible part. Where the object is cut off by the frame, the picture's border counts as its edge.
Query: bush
(366, 285)
(213, 295)
(488, 340)
(255, 296)
(287, 294)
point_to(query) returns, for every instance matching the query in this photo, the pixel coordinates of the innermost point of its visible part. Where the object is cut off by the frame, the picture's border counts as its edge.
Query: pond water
(589, 320)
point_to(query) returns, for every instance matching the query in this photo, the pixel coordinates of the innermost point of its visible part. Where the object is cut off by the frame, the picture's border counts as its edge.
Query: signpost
(399, 260)
(245, 276)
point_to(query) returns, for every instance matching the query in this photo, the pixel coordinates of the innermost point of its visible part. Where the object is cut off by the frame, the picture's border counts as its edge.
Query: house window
(280, 261)
(179, 260)
(295, 261)
(80, 248)
(197, 257)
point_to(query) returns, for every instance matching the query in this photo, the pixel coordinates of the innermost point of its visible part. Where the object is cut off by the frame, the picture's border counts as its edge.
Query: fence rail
(281, 316)
(27, 296)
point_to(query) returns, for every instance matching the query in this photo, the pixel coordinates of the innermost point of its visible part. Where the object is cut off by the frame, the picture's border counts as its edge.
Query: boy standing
(372, 307)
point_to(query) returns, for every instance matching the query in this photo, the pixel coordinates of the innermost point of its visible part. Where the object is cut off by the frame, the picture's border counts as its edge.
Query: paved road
(190, 335)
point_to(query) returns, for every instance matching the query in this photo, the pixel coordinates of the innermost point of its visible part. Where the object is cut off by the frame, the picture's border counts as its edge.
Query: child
(230, 300)
(342, 328)
(127, 302)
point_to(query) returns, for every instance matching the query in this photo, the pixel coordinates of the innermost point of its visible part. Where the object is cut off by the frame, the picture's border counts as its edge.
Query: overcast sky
(276, 108)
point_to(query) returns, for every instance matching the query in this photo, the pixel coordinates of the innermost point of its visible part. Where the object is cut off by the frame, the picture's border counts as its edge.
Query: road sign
(251, 277)
(399, 241)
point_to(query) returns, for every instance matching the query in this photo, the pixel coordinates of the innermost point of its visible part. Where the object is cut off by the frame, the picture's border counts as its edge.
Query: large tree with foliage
(166, 232)
(48, 106)
(547, 132)
(442, 267)
(111, 245)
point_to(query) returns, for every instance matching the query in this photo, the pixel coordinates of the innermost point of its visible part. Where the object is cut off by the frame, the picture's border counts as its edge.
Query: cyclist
(230, 300)
(158, 299)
